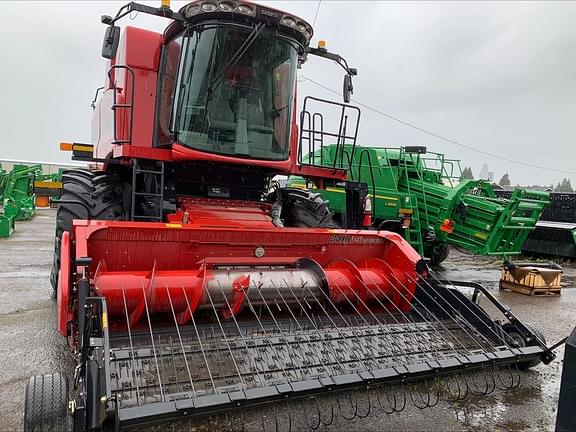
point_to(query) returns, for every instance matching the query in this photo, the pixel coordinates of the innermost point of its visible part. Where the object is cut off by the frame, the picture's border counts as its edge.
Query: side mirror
(110, 44)
(347, 88)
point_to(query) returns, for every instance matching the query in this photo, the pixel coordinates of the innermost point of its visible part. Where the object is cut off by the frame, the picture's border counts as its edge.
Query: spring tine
(244, 341)
(475, 389)
(173, 357)
(502, 384)
(354, 407)
(311, 322)
(517, 371)
(262, 417)
(436, 392)
(404, 399)
(316, 425)
(226, 340)
(365, 364)
(218, 353)
(369, 408)
(378, 391)
(374, 316)
(393, 389)
(199, 341)
(152, 341)
(181, 343)
(242, 421)
(288, 346)
(265, 334)
(472, 312)
(131, 347)
(406, 318)
(418, 389)
(331, 419)
(447, 391)
(415, 299)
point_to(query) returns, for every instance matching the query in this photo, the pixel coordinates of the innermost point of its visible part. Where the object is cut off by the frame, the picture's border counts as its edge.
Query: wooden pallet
(531, 291)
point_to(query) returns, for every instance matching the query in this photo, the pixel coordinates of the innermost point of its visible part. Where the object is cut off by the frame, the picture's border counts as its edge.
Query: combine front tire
(304, 209)
(515, 335)
(86, 195)
(46, 404)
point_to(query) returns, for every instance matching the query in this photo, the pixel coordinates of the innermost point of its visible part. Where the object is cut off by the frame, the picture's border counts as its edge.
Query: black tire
(46, 404)
(440, 252)
(100, 195)
(304, 209)
(513, 332)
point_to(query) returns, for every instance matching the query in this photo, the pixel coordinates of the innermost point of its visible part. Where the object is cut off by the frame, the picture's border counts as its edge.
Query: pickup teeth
(266, 353)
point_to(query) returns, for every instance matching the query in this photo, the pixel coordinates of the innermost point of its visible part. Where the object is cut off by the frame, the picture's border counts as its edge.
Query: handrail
(309, 124)
(116, 105)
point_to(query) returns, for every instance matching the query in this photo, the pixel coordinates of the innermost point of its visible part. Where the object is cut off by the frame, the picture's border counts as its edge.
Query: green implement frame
(409, 183)
(18, 196)
(3, 177)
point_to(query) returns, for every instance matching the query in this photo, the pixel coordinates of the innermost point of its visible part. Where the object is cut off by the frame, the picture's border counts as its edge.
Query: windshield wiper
(217, 79)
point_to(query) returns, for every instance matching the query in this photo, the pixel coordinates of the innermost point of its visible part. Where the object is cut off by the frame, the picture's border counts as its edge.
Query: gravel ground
(30, 344)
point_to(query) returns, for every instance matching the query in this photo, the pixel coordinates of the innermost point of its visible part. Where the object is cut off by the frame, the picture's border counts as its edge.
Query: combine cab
(188, 283)
(419, 194)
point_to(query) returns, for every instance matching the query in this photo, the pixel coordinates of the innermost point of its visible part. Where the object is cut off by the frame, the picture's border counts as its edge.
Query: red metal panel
(64, 284)
(181, 153)
(128, 151)
(139, 50)
(170, 262)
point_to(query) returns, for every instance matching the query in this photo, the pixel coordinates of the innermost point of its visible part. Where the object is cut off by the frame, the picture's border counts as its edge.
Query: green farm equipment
(18, 199)
(419, 195)
(48, 187)
(3, 177)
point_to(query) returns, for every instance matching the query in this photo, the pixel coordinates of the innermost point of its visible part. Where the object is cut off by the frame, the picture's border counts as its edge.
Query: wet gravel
(30, 344)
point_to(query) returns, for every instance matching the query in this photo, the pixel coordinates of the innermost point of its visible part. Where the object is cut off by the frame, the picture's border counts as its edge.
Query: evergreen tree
(505, 181)
(564, 186)
(466, 173)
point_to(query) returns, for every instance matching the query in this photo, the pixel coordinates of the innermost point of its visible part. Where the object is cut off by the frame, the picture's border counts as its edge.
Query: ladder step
(139, 171)
(147, 194)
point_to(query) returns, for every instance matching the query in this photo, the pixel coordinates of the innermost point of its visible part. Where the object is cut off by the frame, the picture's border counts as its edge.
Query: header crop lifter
(187, 286)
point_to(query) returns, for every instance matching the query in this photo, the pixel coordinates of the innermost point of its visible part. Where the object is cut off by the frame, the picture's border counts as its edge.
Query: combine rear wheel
(304, 209)
(513, 332)
(85, 195)
(46, 404)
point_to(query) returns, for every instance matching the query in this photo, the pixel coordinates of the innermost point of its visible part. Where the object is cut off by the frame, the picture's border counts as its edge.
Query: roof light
(191, 9)
(246, 9)
(289, 21)
(321, 44)
(226, 6)
(301, 27)
(165, 4)
(209, 7)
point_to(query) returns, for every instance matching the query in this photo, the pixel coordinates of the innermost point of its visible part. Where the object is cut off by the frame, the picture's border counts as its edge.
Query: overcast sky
(497, 76)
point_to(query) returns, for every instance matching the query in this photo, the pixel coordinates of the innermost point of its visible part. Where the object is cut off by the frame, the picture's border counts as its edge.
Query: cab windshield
(235, 92)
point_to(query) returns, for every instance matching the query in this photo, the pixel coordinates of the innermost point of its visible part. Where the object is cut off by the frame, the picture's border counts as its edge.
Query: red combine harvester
(189, 283)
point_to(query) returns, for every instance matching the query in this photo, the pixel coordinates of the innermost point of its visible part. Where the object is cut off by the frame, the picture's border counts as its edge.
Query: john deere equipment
(555, 233)
(419, 195)
(188, 287)
(3, 177)
(18, 198)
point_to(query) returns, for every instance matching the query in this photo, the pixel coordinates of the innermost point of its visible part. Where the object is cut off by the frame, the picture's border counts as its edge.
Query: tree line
(561, 186)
